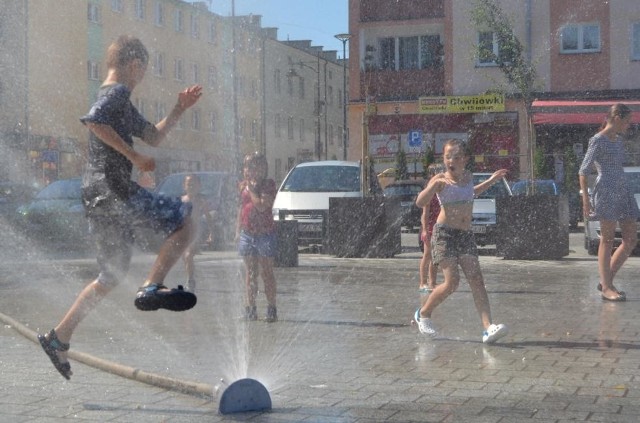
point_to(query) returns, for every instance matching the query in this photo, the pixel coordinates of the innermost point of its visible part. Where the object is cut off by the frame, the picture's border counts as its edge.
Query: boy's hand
(144, 163)
(189, 96)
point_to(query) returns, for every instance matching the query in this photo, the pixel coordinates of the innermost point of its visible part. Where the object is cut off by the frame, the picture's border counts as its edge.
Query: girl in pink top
(256, 233)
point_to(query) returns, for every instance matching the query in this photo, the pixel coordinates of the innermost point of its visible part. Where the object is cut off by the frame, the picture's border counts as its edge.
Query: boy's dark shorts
(451, 243)
(113, 228)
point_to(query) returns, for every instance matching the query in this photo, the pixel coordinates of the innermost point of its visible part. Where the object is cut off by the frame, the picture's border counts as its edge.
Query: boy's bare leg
(170, 252)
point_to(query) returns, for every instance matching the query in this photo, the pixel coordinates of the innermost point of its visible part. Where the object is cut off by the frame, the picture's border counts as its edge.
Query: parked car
(304, 195)
(483, 222)
(219, 189)
(592, 227)
(549, 186)
(56, 215)
(13, 195)
(405, 192)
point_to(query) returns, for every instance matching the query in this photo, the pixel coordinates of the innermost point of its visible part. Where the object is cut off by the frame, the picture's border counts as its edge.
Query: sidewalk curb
(185, 387)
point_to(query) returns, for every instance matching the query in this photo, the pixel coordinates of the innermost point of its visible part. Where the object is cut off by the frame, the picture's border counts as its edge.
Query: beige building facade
(52, 60)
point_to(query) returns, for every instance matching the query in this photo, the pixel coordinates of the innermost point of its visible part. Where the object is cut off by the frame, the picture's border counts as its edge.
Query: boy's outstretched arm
(154, 134)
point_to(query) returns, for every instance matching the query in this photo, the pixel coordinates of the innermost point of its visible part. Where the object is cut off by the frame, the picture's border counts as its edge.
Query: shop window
(580, 38)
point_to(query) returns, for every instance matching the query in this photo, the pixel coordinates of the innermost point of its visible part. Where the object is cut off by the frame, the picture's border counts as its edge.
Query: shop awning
(578, 112)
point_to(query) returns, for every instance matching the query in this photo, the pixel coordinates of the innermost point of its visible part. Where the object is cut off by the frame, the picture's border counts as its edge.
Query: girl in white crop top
(453, 244)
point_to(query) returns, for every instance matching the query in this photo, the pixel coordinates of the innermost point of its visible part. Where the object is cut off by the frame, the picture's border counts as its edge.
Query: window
(195, 73)
(408, 52)
(489, 49)
(278, 126)
(212, 77)
(301, 87)
(158, 64)
(254, 129)
(159, 13)
(212, 32)
(290, 127)
(580, 38)
(301, 129)
(212, 122)
(635, 41)
(195, 120)
(290, 86)
(276, 80)
(177, 21)
(93, 13)
(161, 112)
(195, 29)
(140, 9)
(140, 106)
(178, 70)
(116, 6)
(330, 95)
(339, 98)
(388, 53)
(93, 70)
(430, 51)
(331, 135)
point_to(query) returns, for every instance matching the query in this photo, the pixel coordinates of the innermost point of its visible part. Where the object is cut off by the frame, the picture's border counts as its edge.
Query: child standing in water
(202, 222)
(453, 244)
(256, 234)
(428, 270)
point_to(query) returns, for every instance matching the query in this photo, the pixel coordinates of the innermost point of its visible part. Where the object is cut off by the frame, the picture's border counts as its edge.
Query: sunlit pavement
(344, 349)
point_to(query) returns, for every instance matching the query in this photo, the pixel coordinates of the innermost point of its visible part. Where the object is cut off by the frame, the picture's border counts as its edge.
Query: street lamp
(293, 74)
(344, 38)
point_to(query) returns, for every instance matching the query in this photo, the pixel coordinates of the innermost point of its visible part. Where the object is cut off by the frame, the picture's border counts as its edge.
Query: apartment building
(52, 62)
(303, 104)
(419, 77)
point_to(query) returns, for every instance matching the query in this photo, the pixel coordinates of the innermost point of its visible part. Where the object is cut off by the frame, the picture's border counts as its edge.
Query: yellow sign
(461, 104)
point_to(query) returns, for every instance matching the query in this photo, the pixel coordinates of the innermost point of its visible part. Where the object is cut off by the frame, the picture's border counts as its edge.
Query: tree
(401, 165)
(428, 158)
(511, 59)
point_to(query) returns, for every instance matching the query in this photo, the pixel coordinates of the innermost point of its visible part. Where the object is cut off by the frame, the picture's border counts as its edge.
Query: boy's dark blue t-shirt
(109, 172)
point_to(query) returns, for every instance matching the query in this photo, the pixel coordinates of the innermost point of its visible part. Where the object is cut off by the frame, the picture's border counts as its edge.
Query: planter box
(534, 227)
(287, 255)
(362, 227)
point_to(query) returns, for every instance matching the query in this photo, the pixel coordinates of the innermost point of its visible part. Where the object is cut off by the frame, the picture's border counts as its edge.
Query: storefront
(492, 133)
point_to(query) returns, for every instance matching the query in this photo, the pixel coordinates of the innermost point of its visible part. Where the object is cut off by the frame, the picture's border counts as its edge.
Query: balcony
(390, 85)
(400, 10)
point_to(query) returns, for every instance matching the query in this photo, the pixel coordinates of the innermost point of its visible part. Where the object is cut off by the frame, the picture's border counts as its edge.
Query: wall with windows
(625, 44)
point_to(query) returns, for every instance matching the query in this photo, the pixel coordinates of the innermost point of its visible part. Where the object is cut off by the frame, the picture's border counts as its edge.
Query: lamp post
(292, 74)
(344, 38)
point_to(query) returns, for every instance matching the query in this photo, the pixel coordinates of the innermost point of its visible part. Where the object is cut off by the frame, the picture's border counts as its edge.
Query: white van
(305, 192)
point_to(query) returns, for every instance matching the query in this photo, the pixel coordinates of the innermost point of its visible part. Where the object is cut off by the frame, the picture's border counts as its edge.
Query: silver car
(592, 227)
(483, 222)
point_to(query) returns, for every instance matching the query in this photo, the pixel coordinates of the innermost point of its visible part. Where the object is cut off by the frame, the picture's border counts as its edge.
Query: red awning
(578, 112)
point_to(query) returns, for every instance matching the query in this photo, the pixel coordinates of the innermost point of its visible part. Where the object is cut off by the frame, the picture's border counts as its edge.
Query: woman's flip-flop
(619, 292)
(51, 347)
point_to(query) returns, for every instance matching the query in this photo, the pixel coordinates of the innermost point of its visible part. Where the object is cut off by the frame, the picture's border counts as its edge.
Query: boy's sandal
(51, 346)
(156, 296)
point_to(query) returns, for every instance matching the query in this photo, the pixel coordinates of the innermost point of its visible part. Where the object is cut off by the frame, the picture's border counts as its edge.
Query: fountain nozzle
(245, 395)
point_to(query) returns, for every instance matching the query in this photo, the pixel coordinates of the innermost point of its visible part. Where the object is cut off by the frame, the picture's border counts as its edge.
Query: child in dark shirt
(115, 205)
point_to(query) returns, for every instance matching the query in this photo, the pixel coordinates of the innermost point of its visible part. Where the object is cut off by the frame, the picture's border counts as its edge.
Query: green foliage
(488, 16)
(401, 165)
(571, 181)
(428, 158)
(541, 164)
